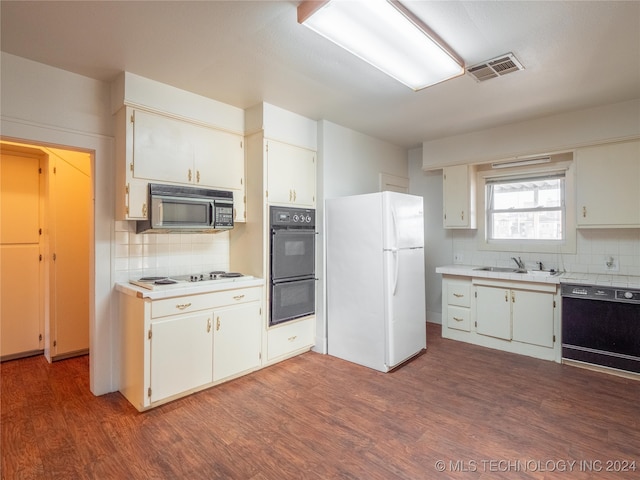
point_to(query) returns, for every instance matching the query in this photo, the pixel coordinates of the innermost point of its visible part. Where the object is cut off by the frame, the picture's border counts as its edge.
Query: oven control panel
(284, 217)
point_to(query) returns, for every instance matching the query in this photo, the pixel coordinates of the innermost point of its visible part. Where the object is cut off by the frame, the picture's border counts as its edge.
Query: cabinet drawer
(459, 294)
(459, 318)
(240, 295)
(204, 301)
(290, 337)
(176, 305)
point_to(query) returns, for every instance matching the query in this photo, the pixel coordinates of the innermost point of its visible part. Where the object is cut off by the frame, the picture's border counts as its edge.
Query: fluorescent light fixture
(521, 163)
(386, 35)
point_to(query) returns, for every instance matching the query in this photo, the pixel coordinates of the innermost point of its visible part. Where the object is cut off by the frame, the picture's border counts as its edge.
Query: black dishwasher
(601, 326)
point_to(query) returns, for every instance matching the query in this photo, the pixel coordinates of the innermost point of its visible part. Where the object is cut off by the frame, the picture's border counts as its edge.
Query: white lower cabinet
(174, 346)
(519, 317)
(236, 340)
(458, 297)
(181, 354)
(291, 337)
(513, 314)
(493, 312)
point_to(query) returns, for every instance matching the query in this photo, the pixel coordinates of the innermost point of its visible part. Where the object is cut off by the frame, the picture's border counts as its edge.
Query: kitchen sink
(537, 273)
(501, 269)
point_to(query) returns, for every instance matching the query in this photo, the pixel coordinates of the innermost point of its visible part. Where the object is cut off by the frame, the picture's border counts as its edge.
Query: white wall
(556, 133)
(437, 240)
(349, 163)
(49, 106)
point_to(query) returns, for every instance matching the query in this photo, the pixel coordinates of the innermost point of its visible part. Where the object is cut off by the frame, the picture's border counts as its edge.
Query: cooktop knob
(628, 295)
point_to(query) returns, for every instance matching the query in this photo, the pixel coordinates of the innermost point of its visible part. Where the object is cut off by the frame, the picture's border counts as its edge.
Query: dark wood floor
(483, 413)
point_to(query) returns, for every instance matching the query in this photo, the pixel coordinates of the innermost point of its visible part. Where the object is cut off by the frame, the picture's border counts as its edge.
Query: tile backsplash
(140, 255)
(595, 249)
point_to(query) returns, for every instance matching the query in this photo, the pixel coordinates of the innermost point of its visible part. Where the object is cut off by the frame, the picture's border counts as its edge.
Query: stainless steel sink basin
(501, 269)
(537, 273)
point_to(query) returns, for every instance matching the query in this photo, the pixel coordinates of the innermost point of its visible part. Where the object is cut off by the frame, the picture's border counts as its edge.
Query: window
(526, 209)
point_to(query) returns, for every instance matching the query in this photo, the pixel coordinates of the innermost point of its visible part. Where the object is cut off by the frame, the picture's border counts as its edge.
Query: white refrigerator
(376, 313)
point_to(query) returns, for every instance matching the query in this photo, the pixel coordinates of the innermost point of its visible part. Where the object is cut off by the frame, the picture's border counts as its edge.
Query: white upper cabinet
(158, 148)
(608, 185)
(291, 174)
(459, 191)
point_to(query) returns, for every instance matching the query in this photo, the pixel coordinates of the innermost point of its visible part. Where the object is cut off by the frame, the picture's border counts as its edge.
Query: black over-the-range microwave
(179, 209)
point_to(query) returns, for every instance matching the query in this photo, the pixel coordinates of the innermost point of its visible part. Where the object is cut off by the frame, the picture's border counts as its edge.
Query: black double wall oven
(292, 279)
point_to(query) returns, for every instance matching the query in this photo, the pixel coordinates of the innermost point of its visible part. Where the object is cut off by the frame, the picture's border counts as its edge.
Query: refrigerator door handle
(396, 270)
(395, 229)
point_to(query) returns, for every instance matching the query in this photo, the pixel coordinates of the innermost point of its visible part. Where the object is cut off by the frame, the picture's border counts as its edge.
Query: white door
(181, 354)
(236, 340)
(403, 220)
(493, 307)
(70, 226)
(533, 317)
(20, 321)
(405, 304)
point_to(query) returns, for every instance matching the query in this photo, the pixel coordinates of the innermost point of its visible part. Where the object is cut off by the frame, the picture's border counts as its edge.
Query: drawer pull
(208, 325)
(238, 297)
(291, 339)
(458, 319)
(182, 306)
(458, 295)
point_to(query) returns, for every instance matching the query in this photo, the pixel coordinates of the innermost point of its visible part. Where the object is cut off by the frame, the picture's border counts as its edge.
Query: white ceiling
(576, 55)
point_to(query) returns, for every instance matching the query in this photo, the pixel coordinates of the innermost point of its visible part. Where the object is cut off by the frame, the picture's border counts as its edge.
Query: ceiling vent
(496, 67)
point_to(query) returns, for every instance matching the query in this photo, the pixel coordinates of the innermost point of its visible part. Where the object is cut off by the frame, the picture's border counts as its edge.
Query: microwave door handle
(212, 213)
(157, 222)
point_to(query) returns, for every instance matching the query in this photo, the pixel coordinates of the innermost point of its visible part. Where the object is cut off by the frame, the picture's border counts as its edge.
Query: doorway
(46, 217)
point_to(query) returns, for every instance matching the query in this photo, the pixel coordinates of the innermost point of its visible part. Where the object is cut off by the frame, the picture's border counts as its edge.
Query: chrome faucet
(519, 262)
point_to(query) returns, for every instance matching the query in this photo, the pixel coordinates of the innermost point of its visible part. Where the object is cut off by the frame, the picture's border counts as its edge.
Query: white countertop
(621, 281)
(188, 289)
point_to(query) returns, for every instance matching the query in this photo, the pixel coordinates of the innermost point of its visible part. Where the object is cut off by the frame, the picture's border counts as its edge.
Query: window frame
(486, 175)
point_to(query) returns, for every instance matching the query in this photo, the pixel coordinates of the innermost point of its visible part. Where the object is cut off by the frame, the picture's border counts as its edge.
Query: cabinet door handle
(197, 176)
(584, 212)
(462, 215)
(217, 323)
(182, 306)
(290, 195)
(513, 297)
(238, 297)
(458, 295)
(189, 175)
(294, 195)
(208, 325)
(506, 296)
(457, 319)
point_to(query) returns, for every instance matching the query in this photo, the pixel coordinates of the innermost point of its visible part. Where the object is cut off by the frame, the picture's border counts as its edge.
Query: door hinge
(55, 343)
(131, 166)
(149, 392)
(260, 312)
(554, 339)
(40, 257)
(40, 171)
(475, 294)
(241, 144)
(475, 324)
(54, 257)
(39, 231)
(259, 355)
(126, 189)
(149, 334)
(133, 117)
(54, 170)
(40, 337)
(554, 304)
